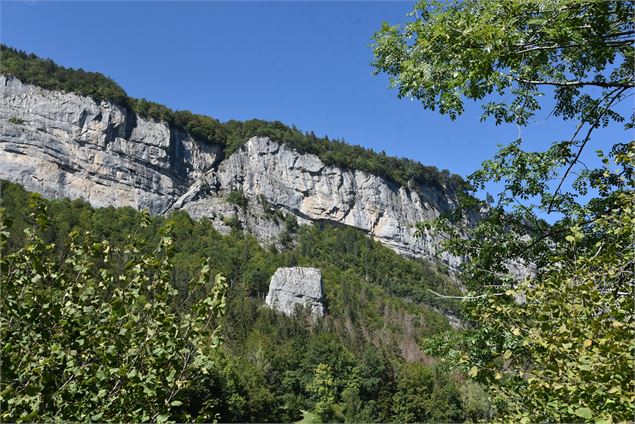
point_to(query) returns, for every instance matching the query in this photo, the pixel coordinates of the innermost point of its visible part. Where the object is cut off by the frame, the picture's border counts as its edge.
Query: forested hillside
(362, 362)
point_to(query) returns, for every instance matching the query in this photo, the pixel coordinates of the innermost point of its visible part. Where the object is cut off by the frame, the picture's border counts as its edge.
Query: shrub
(238, 198)
(81, 342)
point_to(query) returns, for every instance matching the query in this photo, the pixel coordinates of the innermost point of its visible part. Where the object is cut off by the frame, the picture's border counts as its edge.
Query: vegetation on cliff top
(45, 73)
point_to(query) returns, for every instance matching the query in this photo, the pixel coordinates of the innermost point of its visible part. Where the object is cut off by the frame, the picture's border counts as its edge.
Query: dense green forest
(232, 134)
(362, 362)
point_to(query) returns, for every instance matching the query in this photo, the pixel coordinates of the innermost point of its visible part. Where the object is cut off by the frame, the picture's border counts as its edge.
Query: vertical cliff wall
(64, 145)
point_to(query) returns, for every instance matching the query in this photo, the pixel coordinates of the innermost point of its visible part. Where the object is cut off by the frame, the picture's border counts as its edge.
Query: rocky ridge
(65, 145)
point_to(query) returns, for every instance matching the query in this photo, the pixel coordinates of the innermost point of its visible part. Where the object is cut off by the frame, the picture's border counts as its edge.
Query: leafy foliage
(80, 342)
(553, 342)
(323, 389)
(559, 345)
(460, 50)
(238, 198)
(423, 397)
(15, 120)
(45, 73)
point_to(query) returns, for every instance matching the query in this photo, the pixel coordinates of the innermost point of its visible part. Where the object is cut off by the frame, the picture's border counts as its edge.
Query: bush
(238, 198)
(83, 343)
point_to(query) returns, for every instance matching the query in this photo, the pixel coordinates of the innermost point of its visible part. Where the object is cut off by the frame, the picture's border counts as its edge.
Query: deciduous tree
(555, 341)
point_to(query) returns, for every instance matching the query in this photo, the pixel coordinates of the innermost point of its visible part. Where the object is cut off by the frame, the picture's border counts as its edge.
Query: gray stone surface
(71, 146)
(297, 286)
(304, 186)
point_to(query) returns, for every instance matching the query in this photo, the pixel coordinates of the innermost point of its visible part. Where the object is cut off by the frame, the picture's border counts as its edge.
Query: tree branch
(528, 49)
(480, 296)
(586, 139)
(624, 85)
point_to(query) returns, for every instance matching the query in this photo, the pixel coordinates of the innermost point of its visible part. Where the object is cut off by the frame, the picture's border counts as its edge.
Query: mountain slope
(247, 186)
(379, 312)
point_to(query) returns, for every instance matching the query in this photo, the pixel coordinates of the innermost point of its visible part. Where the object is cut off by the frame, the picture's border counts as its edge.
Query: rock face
(64, 145)
(303, 185)
(297, 286)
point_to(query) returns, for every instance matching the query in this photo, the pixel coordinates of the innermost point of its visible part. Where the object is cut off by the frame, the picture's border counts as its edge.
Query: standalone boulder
(297, 286)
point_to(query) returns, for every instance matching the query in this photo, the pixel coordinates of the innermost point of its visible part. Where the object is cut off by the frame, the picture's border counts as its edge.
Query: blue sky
(303, 63)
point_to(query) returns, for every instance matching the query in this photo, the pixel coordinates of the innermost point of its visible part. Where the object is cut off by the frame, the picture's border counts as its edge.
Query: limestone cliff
(64, 145)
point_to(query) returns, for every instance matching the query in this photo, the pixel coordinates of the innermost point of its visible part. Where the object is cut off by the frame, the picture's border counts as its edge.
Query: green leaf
(96, 417)
(584, 412)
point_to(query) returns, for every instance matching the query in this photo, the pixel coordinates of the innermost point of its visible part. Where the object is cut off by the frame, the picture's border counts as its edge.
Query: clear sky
(303, 63)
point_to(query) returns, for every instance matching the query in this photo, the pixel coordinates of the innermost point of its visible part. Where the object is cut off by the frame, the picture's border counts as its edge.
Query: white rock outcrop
(65, 145)
(295, 287)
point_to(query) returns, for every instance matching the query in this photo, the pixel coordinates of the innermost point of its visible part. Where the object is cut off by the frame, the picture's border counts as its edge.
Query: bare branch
(480, 296)
(624, 85)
